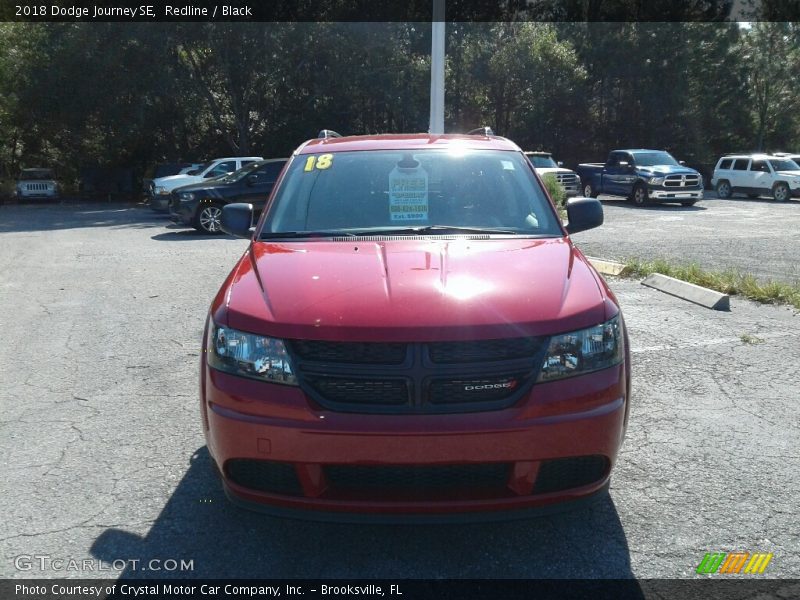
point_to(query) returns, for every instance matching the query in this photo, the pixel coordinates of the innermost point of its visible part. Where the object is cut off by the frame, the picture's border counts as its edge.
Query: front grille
(350, 352)
(678, 181)
(435, 377)
(454, 391)
(360, 391)
(567, 179)
(264, 476)
(566, 473)
(416, 478)
(483, 350)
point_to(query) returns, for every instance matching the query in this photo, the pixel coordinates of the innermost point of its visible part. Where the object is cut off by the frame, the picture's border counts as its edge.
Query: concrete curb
(688, 291)
(607, 267)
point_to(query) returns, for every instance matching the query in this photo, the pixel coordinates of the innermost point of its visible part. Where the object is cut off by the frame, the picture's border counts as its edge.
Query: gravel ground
(757, 236)
(103, 455)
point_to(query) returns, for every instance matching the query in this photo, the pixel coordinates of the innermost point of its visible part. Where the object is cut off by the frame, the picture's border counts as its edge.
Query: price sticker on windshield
(408, 194)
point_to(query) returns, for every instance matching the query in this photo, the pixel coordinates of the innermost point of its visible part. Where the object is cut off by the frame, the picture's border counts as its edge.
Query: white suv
(756, 175)
(543, 163)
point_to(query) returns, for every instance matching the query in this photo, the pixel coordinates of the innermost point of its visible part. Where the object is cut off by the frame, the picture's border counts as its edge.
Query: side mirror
(582, 214)
(252, 179)
(682, 162)
(560, 163)
(237, 219)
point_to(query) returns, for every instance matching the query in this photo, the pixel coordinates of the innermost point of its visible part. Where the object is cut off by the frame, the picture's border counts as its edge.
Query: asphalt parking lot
(103, 454)
(759, 236)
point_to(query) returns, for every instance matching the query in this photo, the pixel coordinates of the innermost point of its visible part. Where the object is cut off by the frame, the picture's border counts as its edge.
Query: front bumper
(182, 212)
(674, 194)
(309, 459)
(160, 202)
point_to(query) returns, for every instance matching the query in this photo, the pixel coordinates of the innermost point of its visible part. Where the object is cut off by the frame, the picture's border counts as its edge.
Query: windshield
(241, 173)
(410, 192)
(784, 165)
(542, 162)
(200, 169)
(652, 159)
(36, 174)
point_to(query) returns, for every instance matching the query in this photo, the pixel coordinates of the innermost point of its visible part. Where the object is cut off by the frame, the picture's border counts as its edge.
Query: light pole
(436, 124)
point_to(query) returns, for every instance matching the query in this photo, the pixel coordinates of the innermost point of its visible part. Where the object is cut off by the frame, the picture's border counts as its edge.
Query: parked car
(164, 170)
(37, 183)
(756, 175)
(200, 204)
(544, 164)
(163, 186)
(411, 333)
(642, 176)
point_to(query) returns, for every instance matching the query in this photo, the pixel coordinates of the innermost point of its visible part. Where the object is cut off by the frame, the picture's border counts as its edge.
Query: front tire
(639, 195)
(781, 192)
(209, 219)
(724, 190)
(588, 191)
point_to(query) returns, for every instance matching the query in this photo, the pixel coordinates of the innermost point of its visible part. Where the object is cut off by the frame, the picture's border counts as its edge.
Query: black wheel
(724, 190)
(688, 203)
(781, 192)
(639, 195)
(588, 191)
(209, 219)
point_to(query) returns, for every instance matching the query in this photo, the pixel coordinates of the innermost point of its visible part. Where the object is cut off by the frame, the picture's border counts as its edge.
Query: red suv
(411, 334)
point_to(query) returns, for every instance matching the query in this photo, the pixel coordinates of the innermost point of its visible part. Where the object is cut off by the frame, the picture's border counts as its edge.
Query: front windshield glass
(542, 162)
(652, 159)
(36, 174)
(784, 165)
(241, 173)
(408, 192)
(200, 169)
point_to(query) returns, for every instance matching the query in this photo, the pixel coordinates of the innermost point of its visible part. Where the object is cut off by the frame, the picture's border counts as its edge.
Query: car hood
(207, 184)
(667, 170)
(546, 170)
(173, 181)
(421, 290)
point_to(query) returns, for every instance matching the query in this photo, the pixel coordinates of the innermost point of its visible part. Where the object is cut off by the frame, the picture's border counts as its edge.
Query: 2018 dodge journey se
(412, 335)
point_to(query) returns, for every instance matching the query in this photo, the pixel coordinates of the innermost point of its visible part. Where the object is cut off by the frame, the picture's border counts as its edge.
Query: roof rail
(487, 131)
(325, 134)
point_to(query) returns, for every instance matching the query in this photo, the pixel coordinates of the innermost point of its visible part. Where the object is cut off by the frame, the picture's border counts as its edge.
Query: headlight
(159, 189)
(187, 196)
(250, 355)
(583, 351)
(656, 180)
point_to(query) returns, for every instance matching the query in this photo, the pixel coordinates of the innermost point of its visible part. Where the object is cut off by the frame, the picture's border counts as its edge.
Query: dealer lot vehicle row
(709, 463)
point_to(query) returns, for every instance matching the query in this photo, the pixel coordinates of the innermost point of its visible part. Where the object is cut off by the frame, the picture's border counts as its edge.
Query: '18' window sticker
(321, 162)
(408, 191)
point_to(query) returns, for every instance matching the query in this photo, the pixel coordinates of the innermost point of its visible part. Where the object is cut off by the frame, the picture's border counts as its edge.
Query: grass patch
(730, 281)
(751, 339)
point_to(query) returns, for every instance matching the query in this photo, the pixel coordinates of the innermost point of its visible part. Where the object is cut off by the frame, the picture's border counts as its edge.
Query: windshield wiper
(440, 229)
(265, 235)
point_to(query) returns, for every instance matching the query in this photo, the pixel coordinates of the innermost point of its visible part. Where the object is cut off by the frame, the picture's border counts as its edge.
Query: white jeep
(36, 183)
(757, 175)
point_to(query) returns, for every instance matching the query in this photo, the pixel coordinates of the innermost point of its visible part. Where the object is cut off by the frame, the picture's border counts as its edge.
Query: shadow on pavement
(198, 523)
(655, 207)
(52, 216)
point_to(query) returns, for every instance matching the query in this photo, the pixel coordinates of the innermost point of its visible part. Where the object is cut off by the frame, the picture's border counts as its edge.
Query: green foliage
(556, 192)
(135, 94)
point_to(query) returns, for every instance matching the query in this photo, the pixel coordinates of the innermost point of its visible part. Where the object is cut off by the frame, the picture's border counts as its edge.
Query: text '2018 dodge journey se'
(411, 335)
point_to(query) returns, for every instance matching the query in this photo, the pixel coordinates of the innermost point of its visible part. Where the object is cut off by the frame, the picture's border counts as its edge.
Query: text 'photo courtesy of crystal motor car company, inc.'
(412, 334)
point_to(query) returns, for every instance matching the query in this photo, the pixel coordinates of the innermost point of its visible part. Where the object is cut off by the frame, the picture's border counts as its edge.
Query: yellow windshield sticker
(322, 162)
